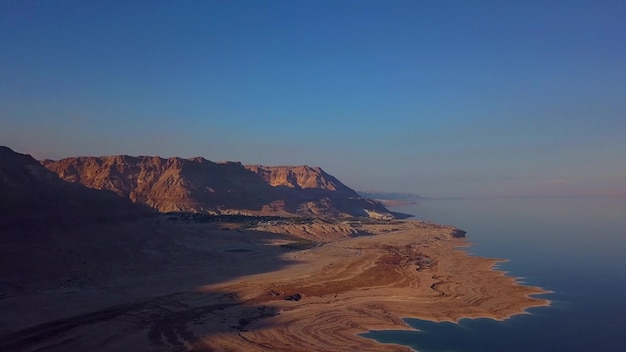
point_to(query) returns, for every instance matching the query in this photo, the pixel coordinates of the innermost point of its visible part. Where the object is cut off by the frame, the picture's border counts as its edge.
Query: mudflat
(275, 286)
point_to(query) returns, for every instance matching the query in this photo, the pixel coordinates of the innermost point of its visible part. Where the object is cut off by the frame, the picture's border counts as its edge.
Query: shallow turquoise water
(574, 247)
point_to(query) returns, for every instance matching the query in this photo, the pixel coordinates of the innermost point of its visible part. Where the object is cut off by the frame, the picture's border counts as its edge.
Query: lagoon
(571, 246)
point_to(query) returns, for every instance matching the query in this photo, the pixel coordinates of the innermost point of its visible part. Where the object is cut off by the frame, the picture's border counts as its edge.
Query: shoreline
(340, 302)
(358, 278)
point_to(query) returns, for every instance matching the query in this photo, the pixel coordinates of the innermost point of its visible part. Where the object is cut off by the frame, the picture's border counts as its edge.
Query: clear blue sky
(439, 98)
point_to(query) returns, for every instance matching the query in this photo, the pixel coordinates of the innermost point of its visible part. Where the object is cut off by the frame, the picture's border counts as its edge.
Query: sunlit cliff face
(200, 185)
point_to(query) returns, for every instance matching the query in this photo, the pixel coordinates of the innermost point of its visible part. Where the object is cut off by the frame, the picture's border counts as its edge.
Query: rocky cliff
(200, 185)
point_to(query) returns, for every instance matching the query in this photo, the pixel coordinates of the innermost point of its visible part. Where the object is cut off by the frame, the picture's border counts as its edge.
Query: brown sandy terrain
(212, 287)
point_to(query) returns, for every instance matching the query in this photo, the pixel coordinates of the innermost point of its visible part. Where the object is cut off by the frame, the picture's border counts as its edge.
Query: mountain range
(200, 185)
(61, 220)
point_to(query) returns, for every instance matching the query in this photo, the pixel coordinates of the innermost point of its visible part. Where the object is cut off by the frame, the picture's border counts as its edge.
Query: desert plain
(272, 286)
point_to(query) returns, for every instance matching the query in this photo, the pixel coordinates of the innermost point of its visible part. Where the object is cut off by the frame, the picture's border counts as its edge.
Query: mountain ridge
(30, 191)
(200, 185)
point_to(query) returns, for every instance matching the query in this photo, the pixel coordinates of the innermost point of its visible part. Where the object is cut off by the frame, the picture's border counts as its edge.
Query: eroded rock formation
(200, 185)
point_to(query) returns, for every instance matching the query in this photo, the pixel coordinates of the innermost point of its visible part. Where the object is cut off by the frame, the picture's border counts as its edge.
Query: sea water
(574, 247)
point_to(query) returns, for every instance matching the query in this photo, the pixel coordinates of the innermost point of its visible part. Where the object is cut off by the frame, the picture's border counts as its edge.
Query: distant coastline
(392, 199)
(394, 203)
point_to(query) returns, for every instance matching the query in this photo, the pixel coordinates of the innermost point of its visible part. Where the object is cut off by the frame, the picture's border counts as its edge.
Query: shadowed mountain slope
(31, 194)
(56, 232)
(200, 185)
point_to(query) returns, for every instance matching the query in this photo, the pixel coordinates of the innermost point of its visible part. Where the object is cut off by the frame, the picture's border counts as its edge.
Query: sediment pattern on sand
(224, 288)
(350, 286)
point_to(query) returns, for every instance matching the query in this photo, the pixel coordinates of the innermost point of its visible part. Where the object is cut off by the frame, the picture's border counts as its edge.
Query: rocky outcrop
(458, 233)
(300, 177)
(200, 185)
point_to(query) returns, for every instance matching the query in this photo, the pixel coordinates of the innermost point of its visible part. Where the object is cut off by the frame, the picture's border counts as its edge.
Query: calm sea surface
(574, 247)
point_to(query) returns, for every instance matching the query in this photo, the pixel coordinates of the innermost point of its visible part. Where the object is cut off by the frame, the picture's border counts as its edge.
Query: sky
(439, 98)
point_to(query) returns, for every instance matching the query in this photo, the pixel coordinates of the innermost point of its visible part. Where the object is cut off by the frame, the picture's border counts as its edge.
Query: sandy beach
(280, 287)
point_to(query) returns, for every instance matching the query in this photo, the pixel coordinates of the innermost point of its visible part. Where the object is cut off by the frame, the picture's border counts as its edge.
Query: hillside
(31, 192)
(200, 185)
(55, 232)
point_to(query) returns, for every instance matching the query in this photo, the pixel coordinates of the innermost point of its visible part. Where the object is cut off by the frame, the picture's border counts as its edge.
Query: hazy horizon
(441, 99)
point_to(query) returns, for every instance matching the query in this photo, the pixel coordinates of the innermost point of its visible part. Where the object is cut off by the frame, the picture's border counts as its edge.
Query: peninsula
(100, 269)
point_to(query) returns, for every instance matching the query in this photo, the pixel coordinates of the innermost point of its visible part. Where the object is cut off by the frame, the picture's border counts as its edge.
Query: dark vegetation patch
(295, 297)
(251, 220)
